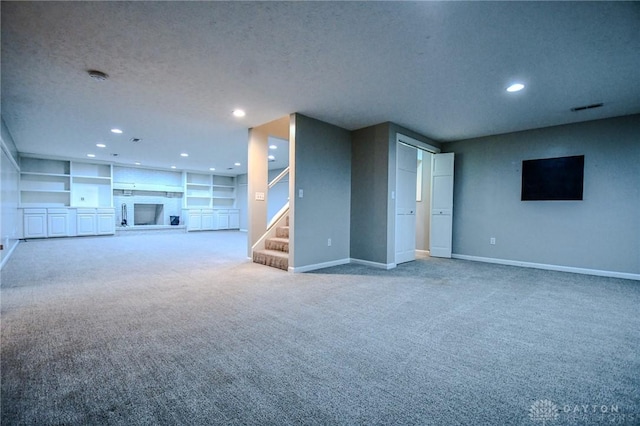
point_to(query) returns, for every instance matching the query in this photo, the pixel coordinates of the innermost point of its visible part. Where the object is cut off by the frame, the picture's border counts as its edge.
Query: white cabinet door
(195, 221)
(222, 219)
(106, 223)
(57, 224)
(207, 221)
(234, 219)
(35, 225)
(86, 223)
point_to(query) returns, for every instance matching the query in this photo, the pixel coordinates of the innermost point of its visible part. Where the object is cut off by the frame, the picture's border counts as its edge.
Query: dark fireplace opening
(148, 214)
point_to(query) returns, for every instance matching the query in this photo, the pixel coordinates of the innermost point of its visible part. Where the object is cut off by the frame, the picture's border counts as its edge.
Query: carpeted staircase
(276, 251)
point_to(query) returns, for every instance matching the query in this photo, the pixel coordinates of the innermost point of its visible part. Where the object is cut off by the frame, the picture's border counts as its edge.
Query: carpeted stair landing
(276, 252)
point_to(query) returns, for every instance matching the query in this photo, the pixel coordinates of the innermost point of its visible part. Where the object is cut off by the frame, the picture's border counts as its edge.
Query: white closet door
(441, 205)
(406, 174)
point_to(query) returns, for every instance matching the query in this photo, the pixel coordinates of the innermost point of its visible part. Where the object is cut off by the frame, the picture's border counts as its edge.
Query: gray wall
(241, 201)
(369, 188)
(602, 232)
(321, 163)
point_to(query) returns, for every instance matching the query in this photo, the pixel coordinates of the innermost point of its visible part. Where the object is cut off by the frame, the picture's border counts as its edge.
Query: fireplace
(148, 214)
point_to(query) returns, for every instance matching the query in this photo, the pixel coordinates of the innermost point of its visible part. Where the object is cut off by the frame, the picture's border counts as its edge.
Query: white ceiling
(178, 69)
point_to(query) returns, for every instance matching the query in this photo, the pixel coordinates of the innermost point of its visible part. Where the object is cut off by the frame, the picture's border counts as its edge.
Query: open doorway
(423, 202)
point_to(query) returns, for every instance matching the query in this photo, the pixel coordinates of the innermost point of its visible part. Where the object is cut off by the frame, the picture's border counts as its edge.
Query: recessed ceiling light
(273, 147)
(213, 169)
(272, 157)
(515, 87)
(91, 155)
(116, 131)
(137, 163)
(173, 167)
(101, 145)
(184, 154)
(239, 113)
(236, 164)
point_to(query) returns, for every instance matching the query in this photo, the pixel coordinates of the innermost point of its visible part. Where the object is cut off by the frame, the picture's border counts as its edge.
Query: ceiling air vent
(582, 108)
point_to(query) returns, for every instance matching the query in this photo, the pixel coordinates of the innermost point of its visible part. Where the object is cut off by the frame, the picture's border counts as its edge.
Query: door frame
(406, 140)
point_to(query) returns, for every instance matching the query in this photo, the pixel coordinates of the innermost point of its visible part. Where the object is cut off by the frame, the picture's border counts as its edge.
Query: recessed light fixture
(91, 155)
(173, 167)
(273, 147)
(515, 87)
(236, 164)
(137, 163)
(239, 113)
(184, 154)
(213, 169)
(101, 145)
(271, 157)
(116, 131)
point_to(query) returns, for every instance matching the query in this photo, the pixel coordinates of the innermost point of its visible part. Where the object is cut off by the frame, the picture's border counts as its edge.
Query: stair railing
(279, 177)
(277, 218)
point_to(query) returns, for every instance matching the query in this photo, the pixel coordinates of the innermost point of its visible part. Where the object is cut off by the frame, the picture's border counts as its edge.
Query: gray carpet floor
(183, 329)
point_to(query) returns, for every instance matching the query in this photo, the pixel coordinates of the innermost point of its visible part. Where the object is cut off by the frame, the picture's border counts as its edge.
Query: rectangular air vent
(582, 108)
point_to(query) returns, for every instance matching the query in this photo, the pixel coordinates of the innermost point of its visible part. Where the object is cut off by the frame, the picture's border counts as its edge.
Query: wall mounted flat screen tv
(553, 178)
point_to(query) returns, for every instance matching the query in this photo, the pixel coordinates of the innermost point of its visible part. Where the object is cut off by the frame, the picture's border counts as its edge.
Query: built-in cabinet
(212, 219)
(61, 198)
(210, 202)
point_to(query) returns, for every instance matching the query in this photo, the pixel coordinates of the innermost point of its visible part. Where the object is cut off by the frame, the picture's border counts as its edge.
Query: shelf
(200, 185)
(44, 166)
(62, 191)
(92, 178)
(44, 174)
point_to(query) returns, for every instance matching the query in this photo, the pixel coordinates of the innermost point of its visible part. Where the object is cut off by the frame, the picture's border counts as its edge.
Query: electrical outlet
(492, 241)
(329, 242)
(300, 193)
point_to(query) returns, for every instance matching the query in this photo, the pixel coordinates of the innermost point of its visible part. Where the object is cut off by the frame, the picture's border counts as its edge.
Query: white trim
(416, 143)
(8, 255)
(379, 265)
(308, 268)
(13, 161)
(585, 271)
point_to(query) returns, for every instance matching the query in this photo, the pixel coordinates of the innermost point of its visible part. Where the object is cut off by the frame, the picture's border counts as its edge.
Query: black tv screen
(553, 178)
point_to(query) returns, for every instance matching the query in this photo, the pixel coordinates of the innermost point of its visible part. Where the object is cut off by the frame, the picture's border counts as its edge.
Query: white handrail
(279, 177)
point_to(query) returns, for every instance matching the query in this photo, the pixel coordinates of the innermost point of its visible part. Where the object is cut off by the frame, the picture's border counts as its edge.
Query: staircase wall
(320, 161)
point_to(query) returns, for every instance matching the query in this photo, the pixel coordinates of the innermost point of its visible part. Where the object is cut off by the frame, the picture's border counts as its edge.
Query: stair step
(274, 258)
(282, 232)
(280, 244)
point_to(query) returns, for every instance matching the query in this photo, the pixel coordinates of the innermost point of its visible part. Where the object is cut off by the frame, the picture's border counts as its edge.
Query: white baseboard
(585, 271)
(308, 268)
(5, 259)
(373, 264)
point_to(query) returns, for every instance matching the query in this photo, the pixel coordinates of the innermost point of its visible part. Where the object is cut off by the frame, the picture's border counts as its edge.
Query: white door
(35, 225)
(57, 225)
(441, 205)
(106, 223)
(86, 223)
(406, 174)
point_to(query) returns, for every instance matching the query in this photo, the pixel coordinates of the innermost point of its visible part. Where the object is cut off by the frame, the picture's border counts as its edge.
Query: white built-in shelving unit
(61, 198)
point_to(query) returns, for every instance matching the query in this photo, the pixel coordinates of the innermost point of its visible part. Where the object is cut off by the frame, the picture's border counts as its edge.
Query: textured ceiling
(177, 70)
